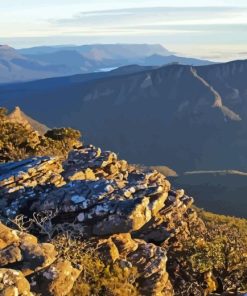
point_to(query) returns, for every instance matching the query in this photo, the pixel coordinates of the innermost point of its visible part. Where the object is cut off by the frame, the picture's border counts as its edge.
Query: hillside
(195, 117)
(221, 192)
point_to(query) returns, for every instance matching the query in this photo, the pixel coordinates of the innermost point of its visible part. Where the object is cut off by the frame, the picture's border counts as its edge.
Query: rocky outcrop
(57, 280)
(22, 251)
(21, 255)
(13, 282)
(133, 217)
(149, 259)
(24, 181)
(18, 116)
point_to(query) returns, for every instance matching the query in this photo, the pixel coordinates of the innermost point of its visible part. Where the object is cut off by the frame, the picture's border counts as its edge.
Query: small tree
(63, 134)
(3, 113)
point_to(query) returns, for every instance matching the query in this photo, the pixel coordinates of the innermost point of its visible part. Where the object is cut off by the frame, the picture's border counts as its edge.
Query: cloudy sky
(202, 28)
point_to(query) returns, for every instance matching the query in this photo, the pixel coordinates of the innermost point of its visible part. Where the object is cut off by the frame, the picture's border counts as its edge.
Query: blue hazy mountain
(16, 67)
(103, 51)
(45, 62)
(91, 58)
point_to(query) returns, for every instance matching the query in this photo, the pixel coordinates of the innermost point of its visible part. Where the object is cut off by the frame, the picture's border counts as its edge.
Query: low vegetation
(224, 250)
(214, 260)
(97, 278)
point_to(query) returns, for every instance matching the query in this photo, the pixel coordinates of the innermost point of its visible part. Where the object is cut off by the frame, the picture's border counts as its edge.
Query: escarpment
(132, 218)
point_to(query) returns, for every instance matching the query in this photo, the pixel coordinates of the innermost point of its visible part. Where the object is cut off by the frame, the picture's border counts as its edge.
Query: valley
(167, 114)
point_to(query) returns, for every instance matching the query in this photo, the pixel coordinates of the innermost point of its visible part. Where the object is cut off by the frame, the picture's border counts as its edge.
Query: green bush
(216, 257)
(62, 134)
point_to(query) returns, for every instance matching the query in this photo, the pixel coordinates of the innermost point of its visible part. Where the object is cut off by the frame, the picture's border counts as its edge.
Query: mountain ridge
(147, 49)
(15, 67)
(45, 62)
(166, 104)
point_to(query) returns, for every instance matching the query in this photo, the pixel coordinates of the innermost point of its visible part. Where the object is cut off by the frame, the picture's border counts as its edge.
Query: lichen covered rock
(13, 283)
(23, 252)
(56, 280)
(131, 216)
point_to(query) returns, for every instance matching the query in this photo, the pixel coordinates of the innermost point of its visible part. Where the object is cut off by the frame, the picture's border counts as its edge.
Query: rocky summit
(17, 116)
(132, 217)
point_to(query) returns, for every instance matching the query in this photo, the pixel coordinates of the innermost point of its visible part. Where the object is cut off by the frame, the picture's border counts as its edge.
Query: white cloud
(157, 16)
(81, 21)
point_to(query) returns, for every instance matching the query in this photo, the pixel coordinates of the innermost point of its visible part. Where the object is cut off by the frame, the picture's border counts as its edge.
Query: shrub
(19, 142)
(96, 277)
(62, 134)
(217, 257)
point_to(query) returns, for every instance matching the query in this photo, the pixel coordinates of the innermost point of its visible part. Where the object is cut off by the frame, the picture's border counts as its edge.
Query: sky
(215, 30)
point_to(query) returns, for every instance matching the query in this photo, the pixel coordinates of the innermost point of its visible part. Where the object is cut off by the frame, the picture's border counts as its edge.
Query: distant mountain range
(16, 67)
(102, 52)
(45, 62)
(188, 118)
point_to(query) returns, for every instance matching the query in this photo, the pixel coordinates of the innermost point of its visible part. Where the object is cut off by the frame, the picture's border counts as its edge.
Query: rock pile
(21, 255)
(133, 216)
(149, 259)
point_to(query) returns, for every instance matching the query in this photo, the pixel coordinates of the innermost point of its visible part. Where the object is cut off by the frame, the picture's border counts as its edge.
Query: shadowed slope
(20, 117)
(151, 116)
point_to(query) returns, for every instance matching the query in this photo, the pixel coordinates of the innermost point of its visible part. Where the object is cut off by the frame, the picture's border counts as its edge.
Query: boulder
(149, 260)
(7, 236)
(57, 280)
(13, 283)
(22, 251)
